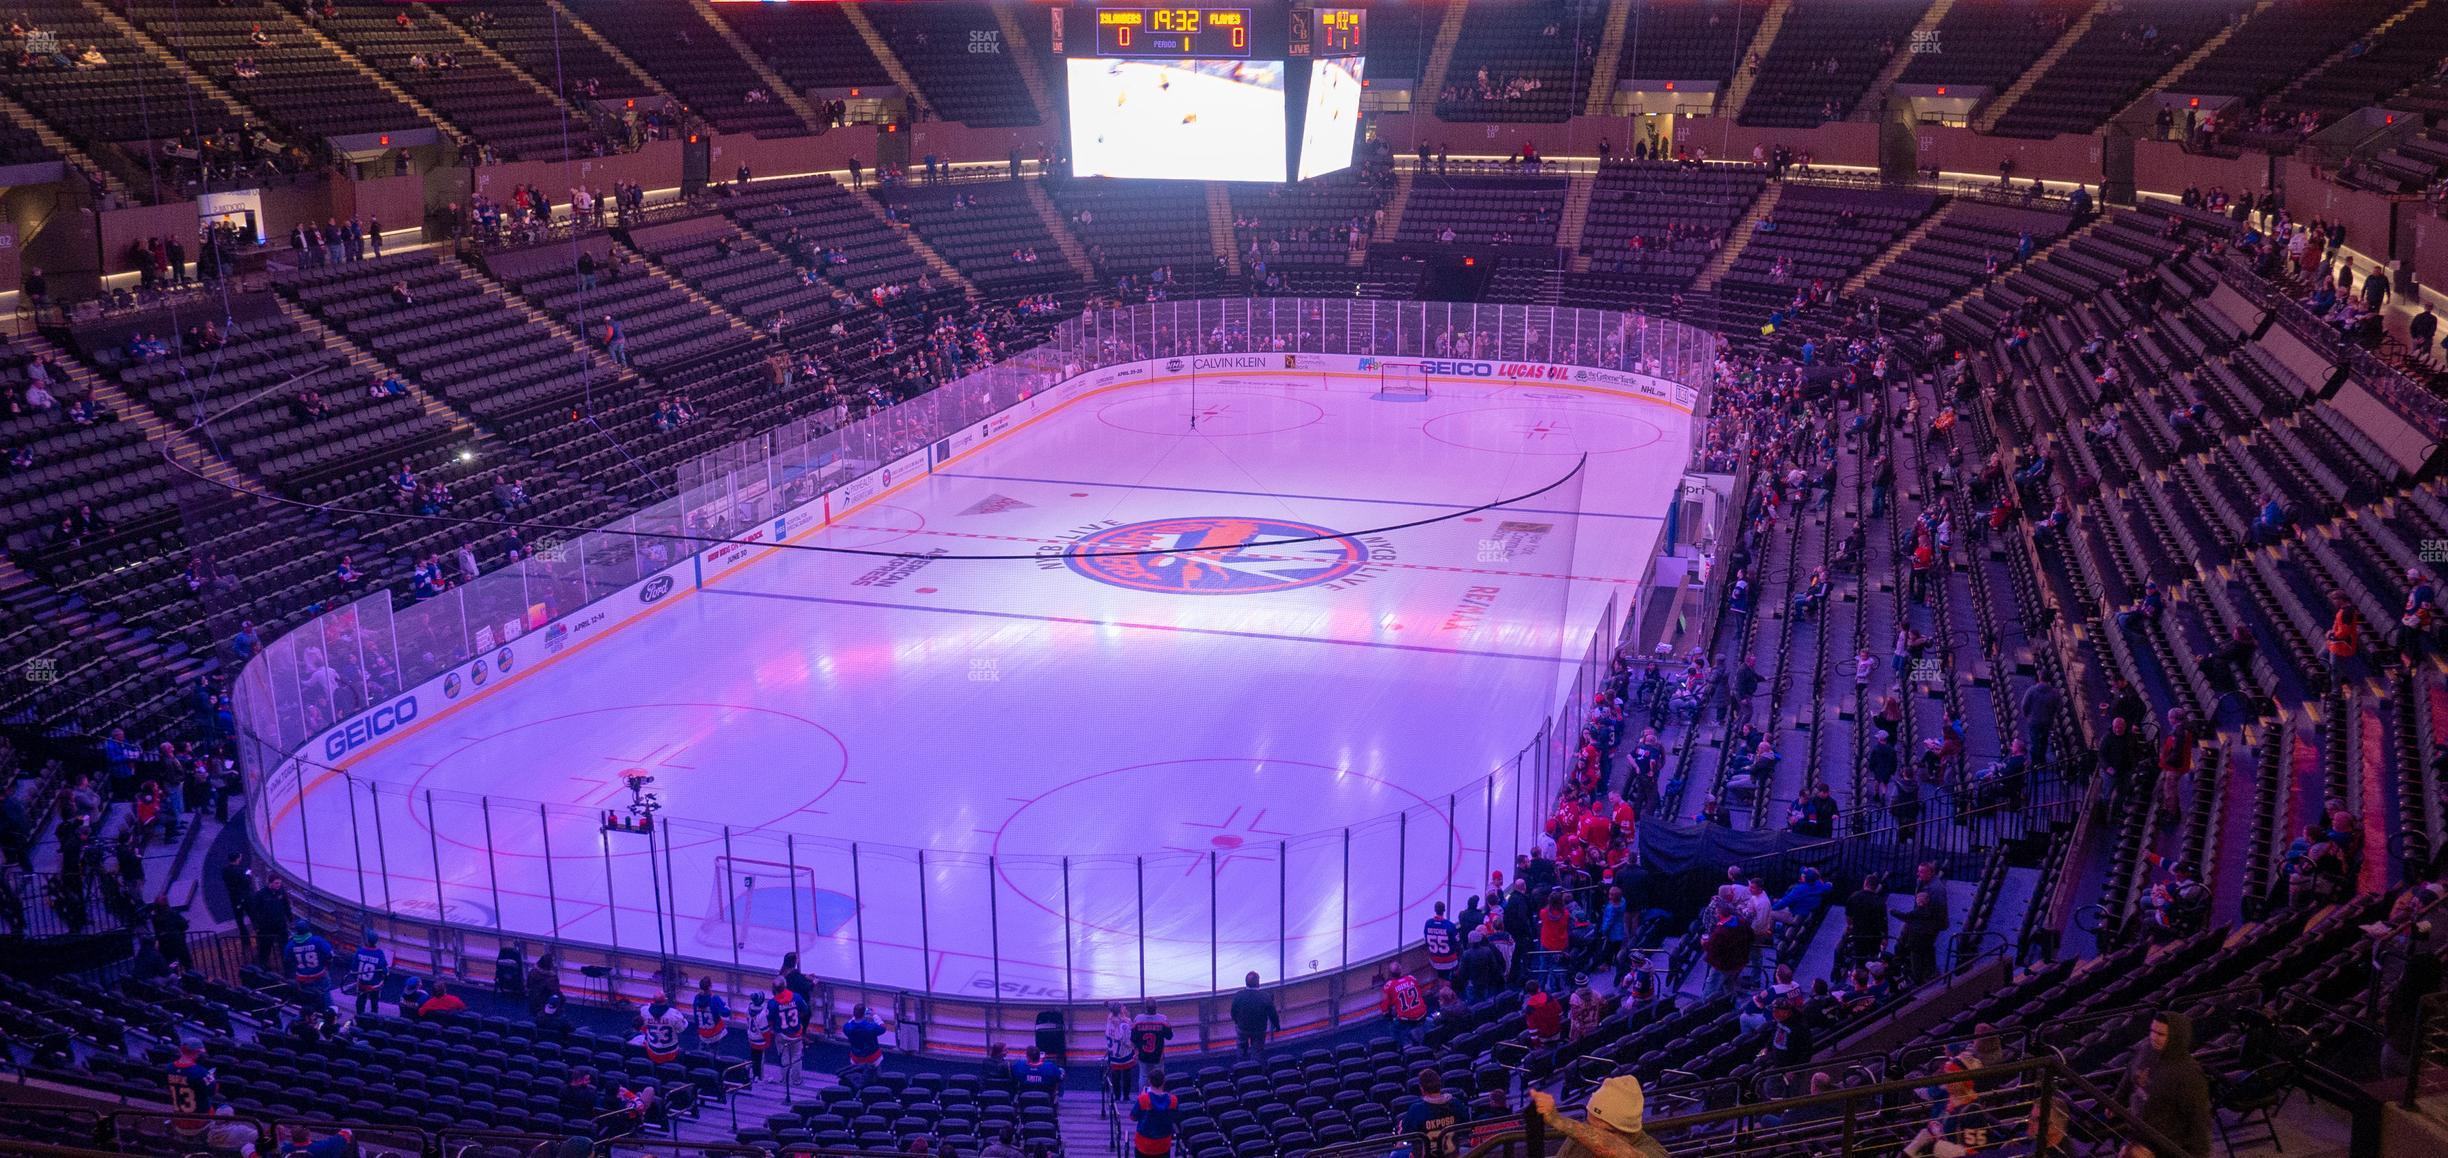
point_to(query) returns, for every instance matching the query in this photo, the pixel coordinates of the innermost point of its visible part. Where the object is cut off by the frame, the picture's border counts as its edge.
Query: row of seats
(1687, 39)
(2278, 43)
(1989, 42)
(2387, 63)
(499, 107)
(957, 54)
(2123, 53)
(1525, 61)
(1483, 210)
(1958, 253)
(298, 85)
(1825, 57)
(671, 40)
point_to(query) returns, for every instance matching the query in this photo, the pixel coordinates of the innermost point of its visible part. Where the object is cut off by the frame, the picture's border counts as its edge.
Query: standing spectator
(1438, 933)
(1728, 943)
(2120, 753)
(270, 909)
(789, 1029)
(1866, 920)
(1254, 1016)
(1152, 1117)
(760, 1035)
(169, 930)
(309, 957)
(2039, 715)
(1149, 1033)
(1542, 1015)
(800, 984)
(1121, 1056)
(372, 968)
(711, 1015)
(2174, 1094)
(238, 884)
(865, 1035)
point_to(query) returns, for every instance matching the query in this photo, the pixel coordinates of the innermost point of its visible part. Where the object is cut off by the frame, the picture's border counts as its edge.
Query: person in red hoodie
(1727, 947)
(1545, 1015)
(1555, 923)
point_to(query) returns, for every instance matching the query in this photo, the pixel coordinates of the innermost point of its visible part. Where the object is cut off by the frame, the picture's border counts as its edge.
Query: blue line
(1082, 622)
(1073, 482)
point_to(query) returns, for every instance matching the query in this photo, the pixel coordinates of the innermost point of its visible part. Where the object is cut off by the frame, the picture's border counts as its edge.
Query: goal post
(764, 905)
(1402, 380)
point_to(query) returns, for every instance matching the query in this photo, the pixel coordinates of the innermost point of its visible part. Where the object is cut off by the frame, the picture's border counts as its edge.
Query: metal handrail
(2051, 1072)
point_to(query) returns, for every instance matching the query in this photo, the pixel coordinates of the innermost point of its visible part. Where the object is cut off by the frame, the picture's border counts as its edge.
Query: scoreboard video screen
(1173, 33)
(1209, 94)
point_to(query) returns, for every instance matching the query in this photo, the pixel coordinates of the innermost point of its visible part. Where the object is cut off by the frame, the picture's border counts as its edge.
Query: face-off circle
(1218, 413)
(1213, 555)
(1294, 809)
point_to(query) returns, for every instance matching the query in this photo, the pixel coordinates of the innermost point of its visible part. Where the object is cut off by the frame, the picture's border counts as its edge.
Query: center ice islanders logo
(1218, 557)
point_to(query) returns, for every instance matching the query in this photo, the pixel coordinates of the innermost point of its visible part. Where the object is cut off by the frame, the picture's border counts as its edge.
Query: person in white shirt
(660, 1024)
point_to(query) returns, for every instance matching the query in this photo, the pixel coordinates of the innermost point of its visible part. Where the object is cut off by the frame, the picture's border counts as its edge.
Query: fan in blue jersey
(373, 967)
(711, 1014)
(1038, 1073)
(1441, 936)
(310, 958)
(193, 1089)
(866, 1037)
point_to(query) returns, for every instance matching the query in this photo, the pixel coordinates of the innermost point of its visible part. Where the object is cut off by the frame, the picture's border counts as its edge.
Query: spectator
(1038, 1073)
(1615, 1127)
(1152, 1117)
(442, 1005)
(661, 1027)
(1960, 1125)
(1254, 1016)
(2173, 1094)
(1148, 1034)
(1435, 1109)
(372, 967)
(864, 1033)
(269, 908)
(1401, 1000)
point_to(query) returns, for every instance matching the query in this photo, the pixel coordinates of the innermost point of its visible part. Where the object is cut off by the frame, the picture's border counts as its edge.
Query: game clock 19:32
(1173, 32)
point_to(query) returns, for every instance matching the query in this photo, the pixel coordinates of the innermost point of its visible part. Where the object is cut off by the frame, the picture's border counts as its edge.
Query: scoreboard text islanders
(1173, 32)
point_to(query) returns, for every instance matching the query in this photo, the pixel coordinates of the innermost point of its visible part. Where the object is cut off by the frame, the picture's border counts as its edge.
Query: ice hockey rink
(1072, 772)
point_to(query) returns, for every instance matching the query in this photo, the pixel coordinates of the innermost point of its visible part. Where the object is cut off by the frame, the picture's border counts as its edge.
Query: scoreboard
(1339, 32)
(1208, 33)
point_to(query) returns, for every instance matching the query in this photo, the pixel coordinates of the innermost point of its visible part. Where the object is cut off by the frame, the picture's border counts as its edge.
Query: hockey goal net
(1401, 380)
(762, 904)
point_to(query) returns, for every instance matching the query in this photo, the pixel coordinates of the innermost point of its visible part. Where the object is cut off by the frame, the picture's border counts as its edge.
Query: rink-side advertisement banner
(474, 677)
(1493, 370)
